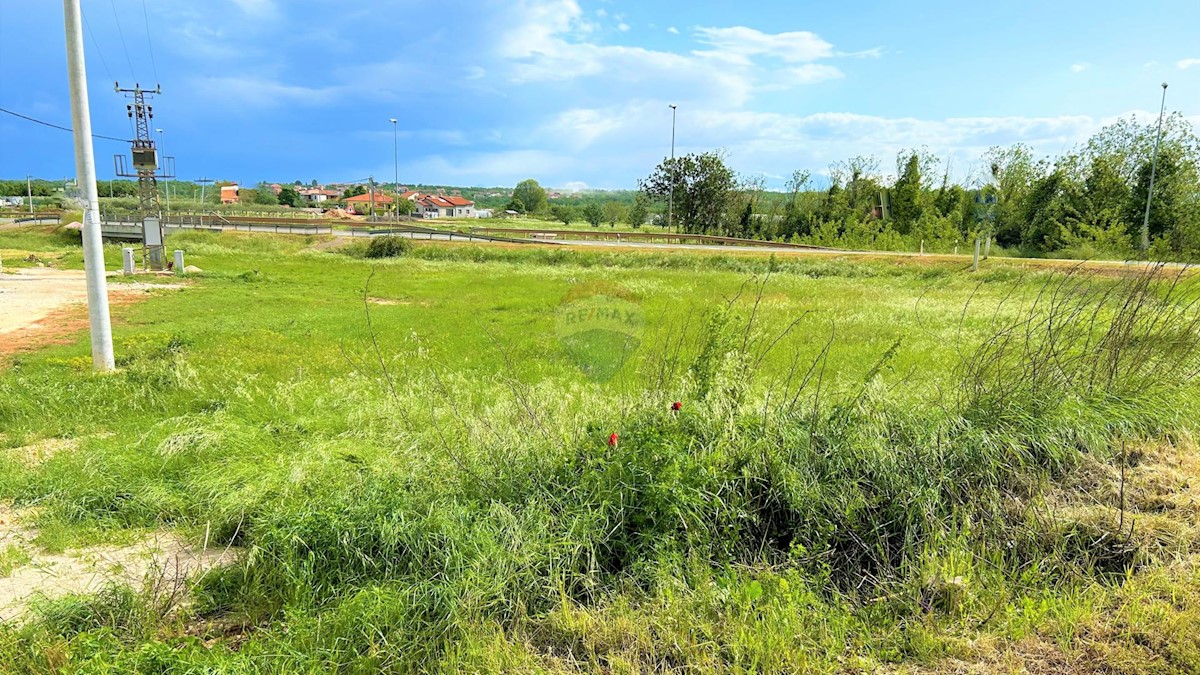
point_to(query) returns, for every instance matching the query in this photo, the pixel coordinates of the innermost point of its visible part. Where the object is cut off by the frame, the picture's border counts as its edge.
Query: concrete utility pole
(1153, 170)
(203, 182)
(85, 168)
(371, 182)
(396, 163)
(29, 188)
(671, 199)
(162, 146)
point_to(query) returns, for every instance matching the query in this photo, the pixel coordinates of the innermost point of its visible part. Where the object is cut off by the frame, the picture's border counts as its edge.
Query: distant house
(276, 188)
(318, 195)
(362, 203)
(229, 194)
(441, 206)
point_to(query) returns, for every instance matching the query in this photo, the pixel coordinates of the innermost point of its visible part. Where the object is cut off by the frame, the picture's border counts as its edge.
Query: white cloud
(623, 27)
(580, 127)
(811, 73)
(1187, 63)
(498, 168)
(738, 44)
(257, 8)
(673, 30)
(548, 44)
(1080, 67)
(260, 92)
(629, 138)
(872, 53)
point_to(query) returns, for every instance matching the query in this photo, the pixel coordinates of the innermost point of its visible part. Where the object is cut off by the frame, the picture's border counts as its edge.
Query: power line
(60, 128)
(149, 42)
(121, 34)
(96, 44)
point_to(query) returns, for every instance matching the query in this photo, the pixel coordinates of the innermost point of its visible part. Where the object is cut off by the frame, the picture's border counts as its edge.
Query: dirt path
(28, 297)
(161, 563)
(42, 306)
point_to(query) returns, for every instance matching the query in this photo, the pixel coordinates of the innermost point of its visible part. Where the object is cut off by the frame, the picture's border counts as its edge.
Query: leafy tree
(614, 212)
(800, 207)
(835, 207)
(354, 191)
(639, 212)
(19, 188)
(289, 197)
(861, 176)
(1012, 171)
(593, 213)
(1106, 191)
(264, 196)
(702, 184)
(532, 195)
(515, 204)
(1043, 213)
(564, 213)
(1174, 203)
(745, 221)
(906, 195)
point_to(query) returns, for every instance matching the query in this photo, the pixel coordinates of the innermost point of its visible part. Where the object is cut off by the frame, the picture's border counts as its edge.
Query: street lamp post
(396, 163)
(162, 148)
(671, 198)
(1153, 170)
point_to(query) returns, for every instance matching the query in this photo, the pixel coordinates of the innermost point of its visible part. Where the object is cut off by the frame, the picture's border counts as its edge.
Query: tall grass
(403, 517)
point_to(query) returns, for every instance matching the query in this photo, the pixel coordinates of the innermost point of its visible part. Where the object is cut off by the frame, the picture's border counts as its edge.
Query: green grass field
(876, 465)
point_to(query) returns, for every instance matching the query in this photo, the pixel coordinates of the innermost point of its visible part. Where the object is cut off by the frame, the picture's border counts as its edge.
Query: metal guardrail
(565, 236)
(114, 229)
(37, 219)
(432, 234)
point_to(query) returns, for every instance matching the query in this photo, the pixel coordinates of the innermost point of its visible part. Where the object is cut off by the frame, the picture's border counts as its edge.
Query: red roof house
(441, 206)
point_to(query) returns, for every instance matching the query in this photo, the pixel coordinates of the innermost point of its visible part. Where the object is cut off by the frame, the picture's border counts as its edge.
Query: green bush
(388, 247)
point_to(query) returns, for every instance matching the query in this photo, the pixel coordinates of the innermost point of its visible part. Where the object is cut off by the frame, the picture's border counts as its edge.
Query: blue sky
(576, 92)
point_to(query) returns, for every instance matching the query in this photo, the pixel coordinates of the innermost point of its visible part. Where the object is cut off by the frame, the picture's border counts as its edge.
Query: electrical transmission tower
(148, 170)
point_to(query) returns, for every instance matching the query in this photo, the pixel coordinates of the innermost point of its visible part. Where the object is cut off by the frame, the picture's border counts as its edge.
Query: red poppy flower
(612, 439)
(676, 406)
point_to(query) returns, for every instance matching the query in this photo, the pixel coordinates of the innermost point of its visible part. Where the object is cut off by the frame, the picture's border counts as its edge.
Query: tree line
(1086, 203)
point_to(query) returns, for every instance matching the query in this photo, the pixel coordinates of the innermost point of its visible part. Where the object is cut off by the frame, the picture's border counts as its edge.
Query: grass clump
(388, 246)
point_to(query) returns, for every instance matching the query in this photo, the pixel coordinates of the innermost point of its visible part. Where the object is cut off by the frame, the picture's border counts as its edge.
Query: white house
(318, 195)
(440, 206)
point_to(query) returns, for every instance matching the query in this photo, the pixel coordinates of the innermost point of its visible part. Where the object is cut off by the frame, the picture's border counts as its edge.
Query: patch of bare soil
(392, 302)
(332, 244)
(40, 306)
(35, 454)
(1160, 496)
(163, 559)
(1032, 656)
